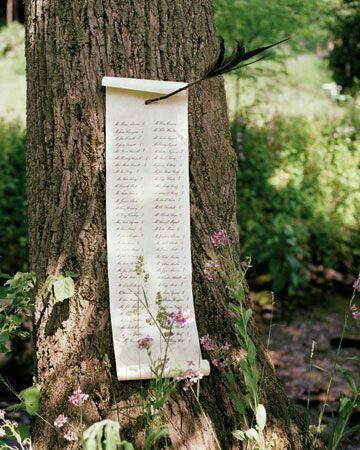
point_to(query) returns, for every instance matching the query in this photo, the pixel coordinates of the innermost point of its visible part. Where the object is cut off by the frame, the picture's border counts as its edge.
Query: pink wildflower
(179, 317)
(78, 397)
(70, 436)
(356, 284)
(2, 413)
(226, 346)
(2, 432)
(355, 312)
(207, 343)
(210, 270)
(242, 156)
(218, 363)
(222, 364)
(191, 376)
(60, 421)
(219, 238)
(144, 343)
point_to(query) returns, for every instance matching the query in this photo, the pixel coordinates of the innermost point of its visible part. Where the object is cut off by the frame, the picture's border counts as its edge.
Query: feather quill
(224, 65)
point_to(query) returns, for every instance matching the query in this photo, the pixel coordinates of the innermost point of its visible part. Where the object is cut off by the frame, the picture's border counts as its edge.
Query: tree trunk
(70, 46)
(9, 12)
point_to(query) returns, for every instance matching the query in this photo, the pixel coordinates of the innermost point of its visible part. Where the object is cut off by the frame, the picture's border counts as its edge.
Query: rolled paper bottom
(143, 371)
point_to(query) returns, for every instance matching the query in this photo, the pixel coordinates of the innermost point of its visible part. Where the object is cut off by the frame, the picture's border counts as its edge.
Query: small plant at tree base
(347, 405)
(17, 300)
(235, 276)
(9, 430)
(161, 385)
(104, 435)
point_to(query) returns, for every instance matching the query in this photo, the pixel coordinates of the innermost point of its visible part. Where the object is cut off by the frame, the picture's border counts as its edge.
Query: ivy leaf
(64, 288)
(31, 399)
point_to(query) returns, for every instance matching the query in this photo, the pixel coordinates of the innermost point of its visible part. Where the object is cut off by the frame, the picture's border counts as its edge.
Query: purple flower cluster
(70, 436)
(207, 343)
(219, 238)
(355, 312)
(60, 421)
(191, 376)
(218, 363)
(356, 284)
(144, 343)
(179, 317)
(78, 397)
(218, 352)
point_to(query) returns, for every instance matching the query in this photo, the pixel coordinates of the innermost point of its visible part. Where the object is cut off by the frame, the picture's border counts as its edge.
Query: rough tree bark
(70, 46)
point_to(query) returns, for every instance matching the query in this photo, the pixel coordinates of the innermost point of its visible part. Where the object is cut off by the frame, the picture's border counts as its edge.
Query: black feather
(239, 56)
(234, 59)
(256, 51)
(222, 65)
(220, 59)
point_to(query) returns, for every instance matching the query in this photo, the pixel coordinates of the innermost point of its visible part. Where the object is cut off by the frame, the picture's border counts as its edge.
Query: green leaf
(127, 445)
(240, 293)
(261, 416)
(72, 274)
(350, 381)
(239, 435)
(251, 353)
(64, 288)
(15, 319)
(104, 435)
(252, 434)
(15, 407)
(344, 401)
(31, 398)
(248, 315)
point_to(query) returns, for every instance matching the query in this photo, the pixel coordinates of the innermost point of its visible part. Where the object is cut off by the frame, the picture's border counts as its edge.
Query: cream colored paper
(148, 214)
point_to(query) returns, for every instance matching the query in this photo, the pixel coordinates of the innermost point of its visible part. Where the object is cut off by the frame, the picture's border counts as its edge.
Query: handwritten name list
(148, 214)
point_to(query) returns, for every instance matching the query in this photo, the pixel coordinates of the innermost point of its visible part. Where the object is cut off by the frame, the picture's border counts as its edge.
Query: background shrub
(13, 229)
(298, 196)
(345, 57)
(11, 38)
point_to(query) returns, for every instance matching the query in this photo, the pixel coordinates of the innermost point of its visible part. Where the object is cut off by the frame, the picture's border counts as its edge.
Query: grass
(13, 87)
(291, 89)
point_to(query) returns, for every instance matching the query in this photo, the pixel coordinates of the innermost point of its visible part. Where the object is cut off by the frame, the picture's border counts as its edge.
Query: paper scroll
(148, 214)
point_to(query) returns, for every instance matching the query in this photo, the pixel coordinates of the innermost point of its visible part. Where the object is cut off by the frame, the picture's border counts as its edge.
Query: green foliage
(298, 194)
(12, 75)
(17, 304)
(258, 22)
(13, 229)
(12, 38)
(345, 57)
(347, 406)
